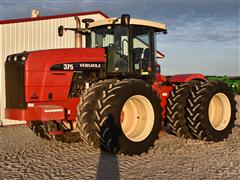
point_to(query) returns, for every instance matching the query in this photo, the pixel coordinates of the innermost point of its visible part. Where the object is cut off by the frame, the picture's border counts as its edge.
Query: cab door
(143, 52)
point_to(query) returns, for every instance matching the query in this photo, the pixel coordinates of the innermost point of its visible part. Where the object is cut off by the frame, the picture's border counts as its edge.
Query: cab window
(141, 52)
(115, 40)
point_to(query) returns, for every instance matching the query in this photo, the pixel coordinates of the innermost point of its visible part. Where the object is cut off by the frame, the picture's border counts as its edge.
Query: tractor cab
(129, 43)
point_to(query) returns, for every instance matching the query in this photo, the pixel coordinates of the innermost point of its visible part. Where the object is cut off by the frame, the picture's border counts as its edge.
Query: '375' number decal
(68, 66)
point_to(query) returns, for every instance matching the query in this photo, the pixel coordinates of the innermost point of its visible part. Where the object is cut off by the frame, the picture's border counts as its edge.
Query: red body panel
(58, 85)
(160, 78)
(164, 90)
(51, 78)
(40, 81)
(39, 61)
(50, 112)
(36, 94)
(186, 77)
(36, 111)
(163, 93)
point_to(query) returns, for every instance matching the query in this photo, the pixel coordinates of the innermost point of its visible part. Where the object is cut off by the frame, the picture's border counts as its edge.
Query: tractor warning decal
(76, 66)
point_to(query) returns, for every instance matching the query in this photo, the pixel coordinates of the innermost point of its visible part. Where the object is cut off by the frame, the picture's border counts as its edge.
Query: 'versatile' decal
(77, 66)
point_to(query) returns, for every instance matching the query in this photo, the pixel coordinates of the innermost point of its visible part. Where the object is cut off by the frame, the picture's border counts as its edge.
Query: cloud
(205, 29)
(203, 35)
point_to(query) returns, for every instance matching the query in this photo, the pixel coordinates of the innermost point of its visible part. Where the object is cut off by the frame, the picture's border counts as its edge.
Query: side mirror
(125, 19)
(159, 55)
(60, 31)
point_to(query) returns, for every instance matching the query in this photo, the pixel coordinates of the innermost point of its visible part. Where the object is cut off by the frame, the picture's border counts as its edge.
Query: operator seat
(137, 54)
(146, 55)
(146, 59)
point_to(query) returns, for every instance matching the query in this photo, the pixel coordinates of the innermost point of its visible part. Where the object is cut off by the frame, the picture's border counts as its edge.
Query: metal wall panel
(33, 35)
(1, 52)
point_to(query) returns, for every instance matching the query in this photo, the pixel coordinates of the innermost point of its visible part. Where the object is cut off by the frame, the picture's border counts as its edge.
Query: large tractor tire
(211, 111)
(126, 117)
(176, 121)
(88, 122)
(43, 130)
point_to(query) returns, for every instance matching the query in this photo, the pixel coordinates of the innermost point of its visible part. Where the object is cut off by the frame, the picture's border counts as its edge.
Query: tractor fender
(187, 77)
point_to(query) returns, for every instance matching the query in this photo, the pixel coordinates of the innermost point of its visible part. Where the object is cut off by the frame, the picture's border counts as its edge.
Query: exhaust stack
(78, 34)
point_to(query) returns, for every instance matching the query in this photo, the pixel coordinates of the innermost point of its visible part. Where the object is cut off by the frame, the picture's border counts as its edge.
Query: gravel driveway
(25, 156)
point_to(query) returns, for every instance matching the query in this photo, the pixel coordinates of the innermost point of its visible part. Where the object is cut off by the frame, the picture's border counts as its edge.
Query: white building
(35, 33)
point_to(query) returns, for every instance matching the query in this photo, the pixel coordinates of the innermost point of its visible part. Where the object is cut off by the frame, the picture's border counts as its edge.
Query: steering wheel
(118, 51)
(116, 47)
(121, 65)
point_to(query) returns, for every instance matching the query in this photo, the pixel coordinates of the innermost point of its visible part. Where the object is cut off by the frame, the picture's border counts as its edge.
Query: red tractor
(111, 93)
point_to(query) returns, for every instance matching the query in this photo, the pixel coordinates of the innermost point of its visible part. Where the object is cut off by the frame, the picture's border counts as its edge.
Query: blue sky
(203, 35)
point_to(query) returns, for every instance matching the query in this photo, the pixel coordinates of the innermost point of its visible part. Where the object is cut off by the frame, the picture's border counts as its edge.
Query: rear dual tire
(201, 110)
(211, 111)
(176, 121)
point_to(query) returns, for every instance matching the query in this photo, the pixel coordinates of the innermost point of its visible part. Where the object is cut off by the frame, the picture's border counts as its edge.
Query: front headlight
(23, 58)
(15, 58)
(9, 58)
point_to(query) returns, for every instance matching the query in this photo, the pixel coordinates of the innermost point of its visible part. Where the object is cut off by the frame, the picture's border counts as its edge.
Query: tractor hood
(65, 59)
(46, 75)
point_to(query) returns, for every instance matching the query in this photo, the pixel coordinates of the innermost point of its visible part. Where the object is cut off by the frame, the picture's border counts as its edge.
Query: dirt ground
(25, 156)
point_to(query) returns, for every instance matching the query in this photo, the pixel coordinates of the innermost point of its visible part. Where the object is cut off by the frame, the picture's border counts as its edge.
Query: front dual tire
(125, 118)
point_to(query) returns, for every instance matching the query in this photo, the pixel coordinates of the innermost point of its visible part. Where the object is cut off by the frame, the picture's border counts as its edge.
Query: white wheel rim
(138, 119)
(219, 111)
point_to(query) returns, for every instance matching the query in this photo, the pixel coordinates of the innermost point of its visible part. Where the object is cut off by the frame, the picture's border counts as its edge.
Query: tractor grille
(14, 81)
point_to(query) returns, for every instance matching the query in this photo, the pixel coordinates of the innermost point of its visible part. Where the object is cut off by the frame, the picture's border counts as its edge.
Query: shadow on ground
(107, 167)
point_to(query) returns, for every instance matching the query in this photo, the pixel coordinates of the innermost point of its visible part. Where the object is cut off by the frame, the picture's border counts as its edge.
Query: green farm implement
(233, 82)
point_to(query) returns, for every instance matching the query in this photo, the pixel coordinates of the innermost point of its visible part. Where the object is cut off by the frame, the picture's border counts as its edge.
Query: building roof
(9, 21)
(133, 21)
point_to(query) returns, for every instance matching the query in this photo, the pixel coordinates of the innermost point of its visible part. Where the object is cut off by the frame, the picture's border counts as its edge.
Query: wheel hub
(137, 118)
(219, 111)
